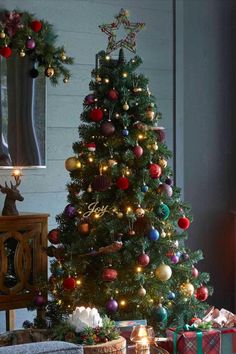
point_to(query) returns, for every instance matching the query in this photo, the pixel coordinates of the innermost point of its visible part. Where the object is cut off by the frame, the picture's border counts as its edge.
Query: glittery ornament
(72, 164)
(122, 183)
(96, 115)
(187, 289)
(163, 272)
(101, 183)
(107, 128)
(202, 293)
(154, 170)
(109, 274)
(163, 163)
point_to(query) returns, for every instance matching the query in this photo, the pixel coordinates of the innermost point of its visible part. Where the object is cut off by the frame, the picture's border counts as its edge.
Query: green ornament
(163, 211)
(159, 314)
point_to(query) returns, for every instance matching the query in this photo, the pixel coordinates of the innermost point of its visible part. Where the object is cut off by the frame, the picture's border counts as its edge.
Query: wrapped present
(228, 340)
(126, 327)
(218, 318)
(192, 340)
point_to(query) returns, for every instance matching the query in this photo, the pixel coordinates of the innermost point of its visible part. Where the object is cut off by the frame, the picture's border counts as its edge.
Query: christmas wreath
(22, 33)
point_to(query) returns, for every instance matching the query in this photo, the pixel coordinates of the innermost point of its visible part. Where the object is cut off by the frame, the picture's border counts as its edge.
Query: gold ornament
(2, 35)
(65, 80)
(49, 72)
(137, 89)
(112, 162)
(163, 163)
(22, 53)
(187, 289)
(84, 228)
(150, 114)
(98, 79)
(139, 212)
(142, 291)
(90, 189)
(120, 215)
(94, 208)
(154, 146)
(163, 234)
(163, 272)
(72, 163)
(131, 232)
(125, 106)
(63, 56)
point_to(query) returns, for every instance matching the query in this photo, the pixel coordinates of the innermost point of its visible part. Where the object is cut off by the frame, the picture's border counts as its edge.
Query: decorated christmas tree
(120, 241)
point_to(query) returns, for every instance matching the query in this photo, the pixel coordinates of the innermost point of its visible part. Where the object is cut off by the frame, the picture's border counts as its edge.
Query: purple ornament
(39, 300)
(107, 128)
(185, 256)
(70, 211)
(112, 305)
(169, 181)
(89, 99)
(30, 43)
(165, 189)
(174, 259)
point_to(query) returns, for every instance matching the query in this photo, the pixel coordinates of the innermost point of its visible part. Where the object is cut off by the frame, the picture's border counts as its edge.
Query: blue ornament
(159, 314)
(171, 295)
(163, 211)
(178, 254)
(125, 132)
(144, 188)
(153, 234)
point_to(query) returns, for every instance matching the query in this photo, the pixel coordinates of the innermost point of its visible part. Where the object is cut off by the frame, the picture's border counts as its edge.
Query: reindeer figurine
(12, 194)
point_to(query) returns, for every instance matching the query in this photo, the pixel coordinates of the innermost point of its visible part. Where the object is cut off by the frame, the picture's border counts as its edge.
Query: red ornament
(69, 283)
(113, 95)
(143, 259)
(194, 272)
(122, 183)
(202, 293)
(138, 151)
(53, 236)
(194, 319)
(5, 52)
(154, 170)
(184, 223)
(107, 128)
(160, 135)
(96, 115)
(109, 274)
(170, 254)
(101, 183)
(36, 25)
(91, 147)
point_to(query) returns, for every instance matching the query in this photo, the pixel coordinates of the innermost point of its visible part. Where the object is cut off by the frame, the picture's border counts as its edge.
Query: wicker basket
(117, 346)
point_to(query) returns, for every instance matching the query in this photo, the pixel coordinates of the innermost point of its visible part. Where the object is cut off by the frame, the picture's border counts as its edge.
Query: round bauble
(125, 132)
(96, 115)
(163, 234)
(22, 53)
(184, 223)
(39, 300)
(5, 52)
(163, 163)
(107, 128)
(165, 189)
(138, 151)
(142, 291)
(70, 211)
(120, 215)
(112, 162)
(160, 135)
(163, 211)
(89, 99)
(122, 183)
(159, 314)
(109, 274)
(169, 181)
(139, 212)
(34, 73)
(202, 293)
(101, 183)
(53, 236)
(2, 35)
(185, 256)
(154, 170)
(143, 259)
(194, 272)
(171, 295)
(112, 305)
(91, 147)
(163, 272)
(187, 289)
(84, 228)
(125, 106)
(30, 43)
(36, 25)
(174, 259)
(66, 80)
(150, 114)
(72, 163)
(69, 283)
(153, 234)
(113, 95)
(131, 232)
(49, 72)
(144, 188)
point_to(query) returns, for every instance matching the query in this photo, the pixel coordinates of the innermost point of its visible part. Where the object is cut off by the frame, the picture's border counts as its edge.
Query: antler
(4, 189)
(18, 180)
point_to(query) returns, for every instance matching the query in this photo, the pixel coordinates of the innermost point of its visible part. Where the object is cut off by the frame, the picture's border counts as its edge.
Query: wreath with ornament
(21, 33)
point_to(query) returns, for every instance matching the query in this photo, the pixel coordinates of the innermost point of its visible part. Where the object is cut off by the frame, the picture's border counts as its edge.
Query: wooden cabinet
(22, 259)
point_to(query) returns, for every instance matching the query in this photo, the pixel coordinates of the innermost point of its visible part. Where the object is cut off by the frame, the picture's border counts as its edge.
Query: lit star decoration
(131, 28)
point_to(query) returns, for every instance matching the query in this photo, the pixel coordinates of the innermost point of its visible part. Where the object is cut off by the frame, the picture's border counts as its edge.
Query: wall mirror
(22, 114)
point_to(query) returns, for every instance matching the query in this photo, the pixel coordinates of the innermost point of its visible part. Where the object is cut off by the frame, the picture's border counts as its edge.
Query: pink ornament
(30, 43)
(195, 272)
(143, 259)
(174, 259)
(165, 189)
(138, 151)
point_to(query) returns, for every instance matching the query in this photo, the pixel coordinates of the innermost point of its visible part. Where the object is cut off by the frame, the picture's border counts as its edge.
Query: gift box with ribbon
(228, 340)
(192, 340)
(126, 327)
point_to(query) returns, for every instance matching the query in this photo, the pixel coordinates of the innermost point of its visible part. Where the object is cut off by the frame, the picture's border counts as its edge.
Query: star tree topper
(131, 28)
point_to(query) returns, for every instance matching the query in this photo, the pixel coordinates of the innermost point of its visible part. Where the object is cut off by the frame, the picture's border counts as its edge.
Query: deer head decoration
(12, 194)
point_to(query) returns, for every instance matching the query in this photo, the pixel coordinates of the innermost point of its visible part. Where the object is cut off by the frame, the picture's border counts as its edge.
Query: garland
(22, 33)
